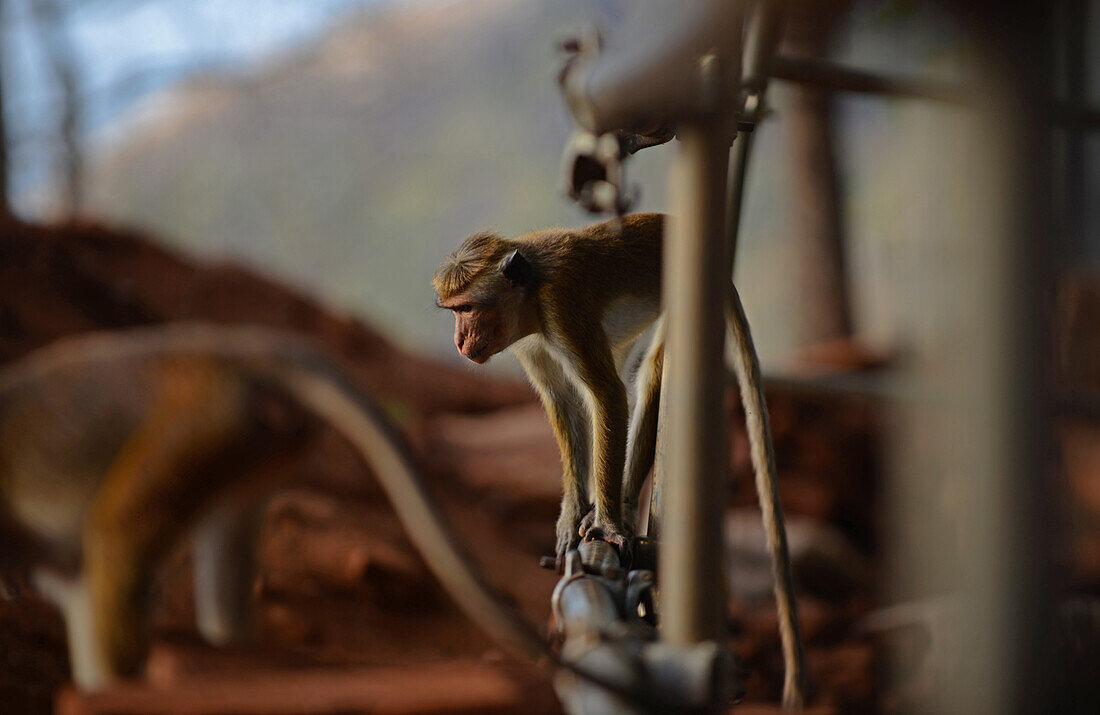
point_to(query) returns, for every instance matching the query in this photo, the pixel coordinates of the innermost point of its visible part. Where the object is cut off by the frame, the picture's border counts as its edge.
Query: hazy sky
(127, 49)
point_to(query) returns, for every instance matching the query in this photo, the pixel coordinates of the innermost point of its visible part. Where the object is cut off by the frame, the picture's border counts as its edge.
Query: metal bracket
(592, 173)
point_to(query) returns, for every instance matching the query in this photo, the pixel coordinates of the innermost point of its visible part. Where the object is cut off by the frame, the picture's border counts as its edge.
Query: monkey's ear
(517, 269)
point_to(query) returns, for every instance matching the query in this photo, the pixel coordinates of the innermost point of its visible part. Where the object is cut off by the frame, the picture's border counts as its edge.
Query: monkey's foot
(568, 535)
(613, 536)
(630, 516)
(587, 522)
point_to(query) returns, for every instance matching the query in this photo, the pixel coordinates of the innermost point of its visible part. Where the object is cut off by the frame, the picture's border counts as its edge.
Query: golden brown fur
(596, 262)
(123, 408)
(470, 261)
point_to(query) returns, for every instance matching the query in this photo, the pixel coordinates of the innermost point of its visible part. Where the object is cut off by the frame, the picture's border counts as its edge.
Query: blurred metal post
(51, 20)
(681, 65)
(5, 155)
(696, 281)
(975, 449)
(1072, 33)
(764, 27)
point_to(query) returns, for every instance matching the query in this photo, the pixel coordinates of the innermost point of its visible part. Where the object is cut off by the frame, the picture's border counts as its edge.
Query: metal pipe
(648, 73)
(1076, 116)
(735, 193)
(973, 451)
(589, 609)
(831, 75)
(586, 609)
(1071, 173)
(692, 594)
(762, 33)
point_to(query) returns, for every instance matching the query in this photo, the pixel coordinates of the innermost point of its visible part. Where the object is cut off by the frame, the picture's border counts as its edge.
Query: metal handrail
(832, 75)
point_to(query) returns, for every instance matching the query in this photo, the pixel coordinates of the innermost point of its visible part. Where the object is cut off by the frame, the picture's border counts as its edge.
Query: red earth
(351, 620)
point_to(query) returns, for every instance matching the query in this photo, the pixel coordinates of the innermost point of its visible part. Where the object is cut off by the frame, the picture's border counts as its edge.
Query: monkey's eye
(464, 308)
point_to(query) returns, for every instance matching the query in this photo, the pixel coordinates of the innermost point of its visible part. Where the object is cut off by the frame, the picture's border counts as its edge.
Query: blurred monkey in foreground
(571, 304)
(106, 459)
(114, 445)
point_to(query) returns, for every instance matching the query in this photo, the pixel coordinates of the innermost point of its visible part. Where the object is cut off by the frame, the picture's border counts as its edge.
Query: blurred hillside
(352, 168)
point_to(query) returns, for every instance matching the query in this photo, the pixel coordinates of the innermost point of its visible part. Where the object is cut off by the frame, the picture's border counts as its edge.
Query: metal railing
(991, 392)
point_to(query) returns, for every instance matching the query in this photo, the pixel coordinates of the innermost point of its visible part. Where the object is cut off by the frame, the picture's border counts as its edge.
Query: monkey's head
(487, 283)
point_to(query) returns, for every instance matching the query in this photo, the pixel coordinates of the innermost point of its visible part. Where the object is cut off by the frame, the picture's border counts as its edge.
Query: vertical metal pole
(762, 34)
(693, 598)
(739, 165)
(1072, 29)
(977, 444)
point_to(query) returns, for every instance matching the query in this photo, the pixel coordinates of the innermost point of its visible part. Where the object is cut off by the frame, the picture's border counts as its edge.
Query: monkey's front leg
(609, 428)
(90, 667)
(641, 442)
(569, 420)
(572, 430)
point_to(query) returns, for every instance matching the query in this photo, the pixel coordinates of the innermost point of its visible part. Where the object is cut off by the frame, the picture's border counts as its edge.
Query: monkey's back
(67, 435)
(601, 262)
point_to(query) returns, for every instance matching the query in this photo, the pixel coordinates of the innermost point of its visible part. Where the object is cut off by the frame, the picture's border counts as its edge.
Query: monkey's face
(486, 323)
(494, 310)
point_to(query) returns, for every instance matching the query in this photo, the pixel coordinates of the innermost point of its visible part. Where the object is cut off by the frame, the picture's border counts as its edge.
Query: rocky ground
(348, 612)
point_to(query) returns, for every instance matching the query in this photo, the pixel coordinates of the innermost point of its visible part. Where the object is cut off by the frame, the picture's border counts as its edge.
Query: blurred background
(307, 163)
(345, 145)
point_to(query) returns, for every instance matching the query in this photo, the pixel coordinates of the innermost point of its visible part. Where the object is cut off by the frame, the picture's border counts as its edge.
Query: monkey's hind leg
(224, 549)
(119, 556)
(160, 481)
(70, 595)
(641, 442)
(642, 437)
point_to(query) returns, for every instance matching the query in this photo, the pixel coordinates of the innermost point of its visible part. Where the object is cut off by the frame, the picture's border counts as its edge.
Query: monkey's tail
(747, 368)
(334, 399)
(327, 392)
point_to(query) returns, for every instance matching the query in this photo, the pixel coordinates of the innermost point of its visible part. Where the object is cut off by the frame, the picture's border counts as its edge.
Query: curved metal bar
(642, 78)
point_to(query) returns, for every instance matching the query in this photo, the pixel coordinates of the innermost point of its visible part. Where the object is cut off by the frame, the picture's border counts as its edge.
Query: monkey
(104, 464)
(570, 305)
